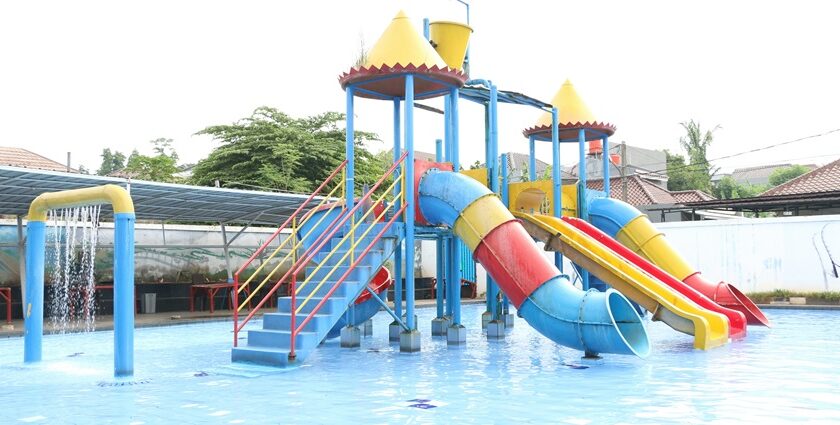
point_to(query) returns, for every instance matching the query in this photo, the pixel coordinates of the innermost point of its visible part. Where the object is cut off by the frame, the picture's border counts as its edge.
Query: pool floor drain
(123, 383)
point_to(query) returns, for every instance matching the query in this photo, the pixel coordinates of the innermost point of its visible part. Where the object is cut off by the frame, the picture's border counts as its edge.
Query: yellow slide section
(710, 329)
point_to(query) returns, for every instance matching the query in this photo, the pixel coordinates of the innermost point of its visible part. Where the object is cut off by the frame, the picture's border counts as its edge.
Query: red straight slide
(737, 320)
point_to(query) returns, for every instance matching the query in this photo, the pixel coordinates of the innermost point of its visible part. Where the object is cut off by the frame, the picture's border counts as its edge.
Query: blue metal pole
(505, 200)
(398, 257)
(456, 243)
(532, 159)
(441, 279)
(409, 193)
(493, 182)
(490, 292)
(584, 275)
(447, 273)
(582, 174)
(605, 153)
(123, 294)
(349, 151)
(33, 307)
(447, 242)
(426, 28)
(556, 179)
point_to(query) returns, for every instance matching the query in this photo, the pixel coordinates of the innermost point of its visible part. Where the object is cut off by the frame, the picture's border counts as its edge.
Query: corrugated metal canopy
(153, 200)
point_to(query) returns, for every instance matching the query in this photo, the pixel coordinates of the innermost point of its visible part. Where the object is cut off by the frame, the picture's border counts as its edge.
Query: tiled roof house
(823, 179)
(19, 157)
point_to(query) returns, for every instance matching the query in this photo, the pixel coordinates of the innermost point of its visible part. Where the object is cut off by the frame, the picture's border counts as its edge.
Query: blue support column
(490, 285)
(409, 340)
(123, 294)
(493, 180)
(532, 159)
(447, 272)
(349, 151)
(456, 164)
(582, 175)
(395, 328)
(496, 327)
(584, 274)
(439, 323)
(456, 334)
(33, 306)
(605, 153)
(556, 178)
(505, 193)
(448, 241)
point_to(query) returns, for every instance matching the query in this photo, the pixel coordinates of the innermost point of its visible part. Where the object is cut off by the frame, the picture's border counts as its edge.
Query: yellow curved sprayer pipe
(106, 194)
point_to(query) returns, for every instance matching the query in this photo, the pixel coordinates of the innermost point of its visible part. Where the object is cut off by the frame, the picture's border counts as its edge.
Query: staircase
(271, 345)
(342, 250)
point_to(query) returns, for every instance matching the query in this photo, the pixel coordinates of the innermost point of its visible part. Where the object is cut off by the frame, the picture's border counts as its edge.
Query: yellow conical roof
(571, 109)
(402, 44)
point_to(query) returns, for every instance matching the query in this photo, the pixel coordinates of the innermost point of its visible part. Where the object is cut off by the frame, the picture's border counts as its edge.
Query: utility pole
(623, 171)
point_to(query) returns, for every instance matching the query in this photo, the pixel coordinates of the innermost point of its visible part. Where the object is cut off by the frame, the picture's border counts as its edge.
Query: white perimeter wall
(755, 254)
(763, 254)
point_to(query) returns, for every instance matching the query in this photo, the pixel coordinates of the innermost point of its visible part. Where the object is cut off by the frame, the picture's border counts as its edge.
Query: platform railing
(297, 221)
(396, 205)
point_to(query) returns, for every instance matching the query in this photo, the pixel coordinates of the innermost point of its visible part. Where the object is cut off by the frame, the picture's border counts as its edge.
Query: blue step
(281, 321)
(361, 272)
(373, 256)
(265, 355)
(280, 339)
(331, 306)
(344, 290)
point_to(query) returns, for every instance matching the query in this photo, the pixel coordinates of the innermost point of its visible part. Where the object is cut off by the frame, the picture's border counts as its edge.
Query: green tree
(785, 174)
(160, 167)
(270, 149)
(728, 188)
(682, 176)
(697, 173)
(111, 162)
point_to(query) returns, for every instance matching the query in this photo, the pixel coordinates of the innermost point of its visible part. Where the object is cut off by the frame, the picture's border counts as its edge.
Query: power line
(813, 136)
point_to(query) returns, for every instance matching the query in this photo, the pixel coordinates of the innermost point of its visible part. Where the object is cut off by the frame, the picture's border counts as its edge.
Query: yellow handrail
(283, 261)
(340, 243)
(343, 258)
(279, 247)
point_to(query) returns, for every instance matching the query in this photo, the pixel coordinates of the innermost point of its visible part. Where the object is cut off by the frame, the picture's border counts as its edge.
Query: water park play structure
(339, 247)
(334, 259)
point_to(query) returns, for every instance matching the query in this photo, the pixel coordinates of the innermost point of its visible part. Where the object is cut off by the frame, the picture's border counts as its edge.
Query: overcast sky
(83, 76)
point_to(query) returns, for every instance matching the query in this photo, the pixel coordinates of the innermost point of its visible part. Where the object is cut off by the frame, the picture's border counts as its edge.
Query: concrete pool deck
(144, 320)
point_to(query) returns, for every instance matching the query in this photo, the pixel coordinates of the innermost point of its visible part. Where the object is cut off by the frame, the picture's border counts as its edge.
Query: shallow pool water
(183, 374)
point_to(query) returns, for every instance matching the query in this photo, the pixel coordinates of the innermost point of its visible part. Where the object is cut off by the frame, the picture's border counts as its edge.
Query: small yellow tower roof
(402, 44)
(400, 50)
(572, 115)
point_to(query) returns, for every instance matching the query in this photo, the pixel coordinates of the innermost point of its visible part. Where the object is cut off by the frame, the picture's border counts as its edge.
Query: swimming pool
(183, 374)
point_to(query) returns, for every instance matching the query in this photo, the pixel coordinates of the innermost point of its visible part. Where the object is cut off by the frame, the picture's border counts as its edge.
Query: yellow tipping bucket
(450, 40)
